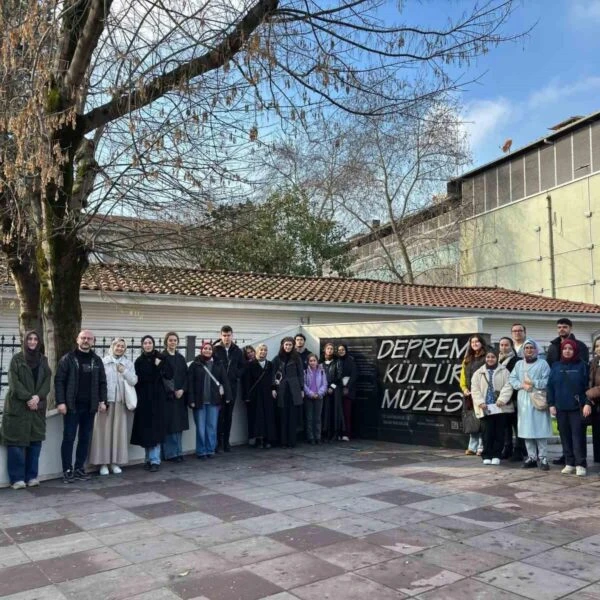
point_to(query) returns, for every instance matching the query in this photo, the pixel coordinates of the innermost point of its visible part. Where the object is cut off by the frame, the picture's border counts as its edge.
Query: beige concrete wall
(509, 246)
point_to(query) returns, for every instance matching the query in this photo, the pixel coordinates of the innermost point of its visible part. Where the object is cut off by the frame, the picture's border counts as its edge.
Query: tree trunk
(27, 286)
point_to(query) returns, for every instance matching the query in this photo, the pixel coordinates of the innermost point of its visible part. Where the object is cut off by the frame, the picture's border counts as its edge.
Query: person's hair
(261, 346)
(508, 339)
(293, 354)
(491, 350)
(596, 340)
(115, 342)
(564, 321)
(328, 344)
(470, 355)
(300, 335)
(226, 329)
(519, 325)
(247, 349)
(167, 336)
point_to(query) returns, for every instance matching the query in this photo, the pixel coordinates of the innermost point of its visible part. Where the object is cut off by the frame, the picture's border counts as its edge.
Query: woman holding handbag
(110, 439)
(567, 401)
(474, 359)
(207, 389)
(530, 378)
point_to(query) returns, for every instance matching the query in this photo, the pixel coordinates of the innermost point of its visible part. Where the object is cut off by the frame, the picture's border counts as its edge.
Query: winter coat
(66, 381)
(468, 370)
(532, 423)
(195, 383)
(149, 422)
(479, 388)
(177, 408)
(348, 369)
(21, 426)
(553, 354)
(510, 363)
(304, 357)
(292, 380)
(261, 404)
(114, 379)
(321, 382)
(233, 363)
(333, 414)
(593, 392)
(567, 384)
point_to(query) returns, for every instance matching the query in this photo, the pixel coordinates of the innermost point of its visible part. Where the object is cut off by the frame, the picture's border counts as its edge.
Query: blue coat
(567, 384)
(532, 423)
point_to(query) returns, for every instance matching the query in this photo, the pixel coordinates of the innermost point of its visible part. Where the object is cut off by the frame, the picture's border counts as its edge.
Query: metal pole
(551, 246)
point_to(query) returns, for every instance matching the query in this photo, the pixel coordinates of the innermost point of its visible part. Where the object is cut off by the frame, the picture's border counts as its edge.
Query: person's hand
(500, 403)
(120, 368)
(315, 396)
(178, 394)
(482, 406)
(274, 393)
(35, 397)
(102, 406)
(32, 404)
(330, 391)
(467, 393)
(192, 405)
(587, 411)
(553, 411)
(527, 386)
(157, 361)
(62, 409)
(221, 390)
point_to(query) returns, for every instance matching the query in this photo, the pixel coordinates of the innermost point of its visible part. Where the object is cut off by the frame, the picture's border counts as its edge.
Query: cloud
(483, 119)
(556, 91)
(584, 12)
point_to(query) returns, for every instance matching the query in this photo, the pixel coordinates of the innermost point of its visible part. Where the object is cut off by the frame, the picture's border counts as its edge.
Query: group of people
(515, 389)
(108, 403)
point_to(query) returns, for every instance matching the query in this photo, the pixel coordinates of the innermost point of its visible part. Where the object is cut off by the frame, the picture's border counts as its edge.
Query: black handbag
(471, 424)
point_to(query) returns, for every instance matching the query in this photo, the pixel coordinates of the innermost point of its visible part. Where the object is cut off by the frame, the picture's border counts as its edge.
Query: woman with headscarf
(529, 376)
(177, 409)
(149, 421)
(567, 384)
(249, 354)
(515, 452)
(207, 388)
(110, 440)
(349, 375)
(333, 412)
(474, 359)
(24, 419)
(288, 384)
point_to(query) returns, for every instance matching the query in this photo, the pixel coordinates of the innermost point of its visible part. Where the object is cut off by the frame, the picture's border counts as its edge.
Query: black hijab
(154, 352)
(32, 357)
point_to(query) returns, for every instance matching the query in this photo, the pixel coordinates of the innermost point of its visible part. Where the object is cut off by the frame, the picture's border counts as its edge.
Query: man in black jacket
(564, 327)
(232, 359)
(80, 389)
(301, 349)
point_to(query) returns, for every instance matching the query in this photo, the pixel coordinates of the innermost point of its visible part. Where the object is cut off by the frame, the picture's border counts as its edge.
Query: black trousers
(571, 436)
(77, 423)
(492, 432)
(224, 423)
(510, 429)
(288, 422)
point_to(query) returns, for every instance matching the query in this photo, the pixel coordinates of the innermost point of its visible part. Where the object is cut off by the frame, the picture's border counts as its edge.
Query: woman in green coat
(24, 419)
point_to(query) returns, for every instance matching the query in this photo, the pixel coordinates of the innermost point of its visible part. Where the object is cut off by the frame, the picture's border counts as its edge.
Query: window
(596, 146)
(517, 179)
(547, 167)
(479, 195)
(504, 184)
(564, 160)
(491, 189)
(532, 173)
(581, 153)
(467, 196)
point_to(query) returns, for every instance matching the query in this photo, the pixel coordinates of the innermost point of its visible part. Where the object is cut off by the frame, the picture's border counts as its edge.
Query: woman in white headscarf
(110, 440)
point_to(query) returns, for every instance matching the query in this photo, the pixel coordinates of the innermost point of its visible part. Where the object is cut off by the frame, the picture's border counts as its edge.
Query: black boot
(506, 452)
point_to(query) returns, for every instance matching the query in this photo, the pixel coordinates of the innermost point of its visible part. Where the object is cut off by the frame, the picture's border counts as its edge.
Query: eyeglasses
(517, 331)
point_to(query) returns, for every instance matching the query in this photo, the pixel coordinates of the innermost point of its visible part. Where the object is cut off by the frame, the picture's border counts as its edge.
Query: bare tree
(151, 107)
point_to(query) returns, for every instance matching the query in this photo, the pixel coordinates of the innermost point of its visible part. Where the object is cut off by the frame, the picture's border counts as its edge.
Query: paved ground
(364, 521)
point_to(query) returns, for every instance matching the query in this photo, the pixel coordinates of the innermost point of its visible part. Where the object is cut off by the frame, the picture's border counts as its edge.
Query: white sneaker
(487, 461)
(33, 483)
(345, 438)
(580, 471)
(18, 485)
(104, 470)
(568, 470)
(495, 461)
(116, 469)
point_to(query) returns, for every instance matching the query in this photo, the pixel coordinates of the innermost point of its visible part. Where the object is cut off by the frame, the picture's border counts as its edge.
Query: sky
(527, 86)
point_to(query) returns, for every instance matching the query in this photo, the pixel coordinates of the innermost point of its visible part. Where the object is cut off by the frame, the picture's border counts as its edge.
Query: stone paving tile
(60, 546)
(49, 592)
(159, 594)
(282, 503)
(330, 481)
(404, 541)
(12, 555)
(523, 509)
(238, 584)
(582, 519)
(21, 577)
(294, 570)
(399, 497)
(448, 527)
(251, 550)
(589, 593)
(568, 562)
(428, 476)
(190, 564)
(295, 487)
(267, 524)
(140, 499)
(451, 505)
(401, 515)
(162, 509)
(64, 496)
(531, 582)
(354, 554)
(460, 558)
(105, 519)
(308, 537)
(354, 587)
(29, 517)
(189, 520)
(507, 544)
(468, 589)
(117, 584)
(5, 540)
(361, 504)
(251, 494)
(409, 575)
(540, 530)
(318, 513)
(154, 547)
(216, 534)
(589, 545)
(81, 509)
(490, 518)
(111, 536)
(42, 531)
(358, 525)
(81, 564)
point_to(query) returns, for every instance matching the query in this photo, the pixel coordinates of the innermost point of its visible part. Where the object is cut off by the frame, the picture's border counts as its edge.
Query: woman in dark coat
(349, 374)
(207, 388)
(177, 409)
(149, 421)
(333, 414)
(259, 380)
(24, 418)
(288, 384)
(249, 356)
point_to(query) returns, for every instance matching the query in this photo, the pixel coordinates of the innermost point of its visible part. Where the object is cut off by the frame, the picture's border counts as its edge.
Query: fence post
(190, 347)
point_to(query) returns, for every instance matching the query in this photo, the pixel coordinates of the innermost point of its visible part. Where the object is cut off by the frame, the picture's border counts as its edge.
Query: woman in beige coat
(110, 440)
(492, 401)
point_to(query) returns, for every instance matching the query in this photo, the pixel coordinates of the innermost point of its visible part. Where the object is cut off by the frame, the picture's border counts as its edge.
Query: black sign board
(408, 388)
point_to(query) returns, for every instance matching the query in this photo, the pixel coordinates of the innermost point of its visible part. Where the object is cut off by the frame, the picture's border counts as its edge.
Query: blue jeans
(206, 419)
(172, 446)
(79, 419)
(475, 442)
(23, 462)
(153, 455)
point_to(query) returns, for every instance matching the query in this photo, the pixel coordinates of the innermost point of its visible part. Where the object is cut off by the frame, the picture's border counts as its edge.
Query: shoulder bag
(130, 396)
(539, 398)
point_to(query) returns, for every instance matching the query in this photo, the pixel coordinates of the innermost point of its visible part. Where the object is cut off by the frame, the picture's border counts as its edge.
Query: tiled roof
(259, 286)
